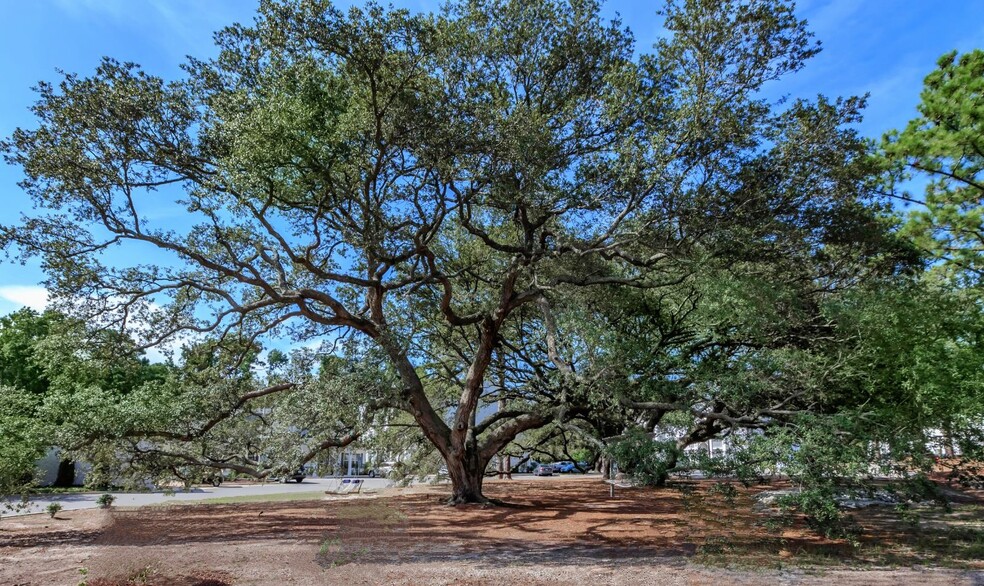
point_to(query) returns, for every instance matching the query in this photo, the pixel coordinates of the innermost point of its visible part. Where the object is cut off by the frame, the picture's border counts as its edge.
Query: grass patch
(893, 538)
(332, 553)
(48, 490)
(328, 545)
(284, 497)
(375, 511)
(61, 490)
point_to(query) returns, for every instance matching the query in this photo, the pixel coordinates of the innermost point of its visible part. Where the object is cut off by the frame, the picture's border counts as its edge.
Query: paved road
(231, 489)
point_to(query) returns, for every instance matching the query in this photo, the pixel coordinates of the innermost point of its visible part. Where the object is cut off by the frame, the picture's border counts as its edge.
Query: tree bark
(66, 474)
(467, 472)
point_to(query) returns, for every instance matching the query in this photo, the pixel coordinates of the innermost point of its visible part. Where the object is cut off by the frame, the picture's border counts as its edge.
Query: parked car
(565, 467)
(297, 476)
(215, 479)
(191, 476)
(543, 470)
(525, 466)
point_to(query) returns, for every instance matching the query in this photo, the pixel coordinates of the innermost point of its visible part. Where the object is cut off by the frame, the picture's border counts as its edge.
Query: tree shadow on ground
(49, 538)
(551, 524)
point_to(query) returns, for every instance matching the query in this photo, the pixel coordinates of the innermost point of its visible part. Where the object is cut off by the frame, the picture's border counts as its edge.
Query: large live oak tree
(435, 189)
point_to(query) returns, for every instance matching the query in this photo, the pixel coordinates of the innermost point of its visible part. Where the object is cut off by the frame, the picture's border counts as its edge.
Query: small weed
(329, 543)
(53, 509)
(105, 501)
(716, 545)
(685, 488)
(776, 523)
(726, 490)
(141, 576)
(908, 515)
(974, 551)
(690, 498)
(334, 555)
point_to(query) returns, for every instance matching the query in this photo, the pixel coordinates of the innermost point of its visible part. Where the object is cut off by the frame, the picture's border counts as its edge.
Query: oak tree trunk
(66, 474)
(467, 472)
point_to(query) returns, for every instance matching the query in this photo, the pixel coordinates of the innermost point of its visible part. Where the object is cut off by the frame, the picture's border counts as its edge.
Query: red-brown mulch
(561, 530)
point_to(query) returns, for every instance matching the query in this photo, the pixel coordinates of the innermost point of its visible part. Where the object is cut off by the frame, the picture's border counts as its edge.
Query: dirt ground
(553, 531)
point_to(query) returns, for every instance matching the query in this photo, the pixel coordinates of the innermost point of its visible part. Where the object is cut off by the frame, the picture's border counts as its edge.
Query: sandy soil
(559, 531)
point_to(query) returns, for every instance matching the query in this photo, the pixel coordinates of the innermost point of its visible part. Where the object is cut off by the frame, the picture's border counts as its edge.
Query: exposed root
(481, 500)
(454, 501)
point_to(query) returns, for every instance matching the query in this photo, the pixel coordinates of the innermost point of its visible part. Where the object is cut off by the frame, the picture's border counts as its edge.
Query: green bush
(819, 505)
(647, 460)
(53, 509)
(105, 501)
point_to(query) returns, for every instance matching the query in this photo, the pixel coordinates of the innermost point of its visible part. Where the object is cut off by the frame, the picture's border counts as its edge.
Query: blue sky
(884, 47)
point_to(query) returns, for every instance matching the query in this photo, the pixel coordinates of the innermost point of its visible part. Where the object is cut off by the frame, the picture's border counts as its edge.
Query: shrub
(53, 509)
(105, 501)
(819, 505)
(647, 460)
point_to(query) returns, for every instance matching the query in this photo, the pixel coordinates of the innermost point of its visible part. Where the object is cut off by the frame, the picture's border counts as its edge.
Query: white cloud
(169, 349)
(37, 298)
(25, 296)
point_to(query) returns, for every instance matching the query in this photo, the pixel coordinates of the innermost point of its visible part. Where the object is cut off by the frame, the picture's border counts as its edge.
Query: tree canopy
(505, 203)
(942, 148)
(45, 360)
